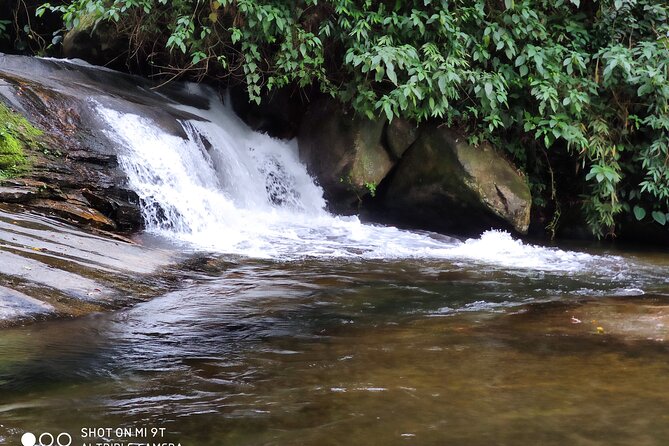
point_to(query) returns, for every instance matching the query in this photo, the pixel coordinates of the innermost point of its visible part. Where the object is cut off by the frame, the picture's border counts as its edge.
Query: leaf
(388, 111)
(659, 217)
(390, 71)
(197, 57)
(639, 213)
(488, 89)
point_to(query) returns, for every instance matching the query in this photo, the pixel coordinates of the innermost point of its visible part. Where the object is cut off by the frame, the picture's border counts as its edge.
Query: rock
(98, 43)
(344, 153)
(400, 134)
(73, 170)
(443, 183)
(625, 318)
(15, 305)
(51, 269)
(75, 211)
(279, 113)
(16, 194)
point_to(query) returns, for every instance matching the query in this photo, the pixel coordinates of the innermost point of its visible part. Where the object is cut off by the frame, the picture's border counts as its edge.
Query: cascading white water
(230, 189)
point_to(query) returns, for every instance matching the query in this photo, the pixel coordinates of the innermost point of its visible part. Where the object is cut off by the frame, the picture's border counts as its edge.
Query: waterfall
(226, 188)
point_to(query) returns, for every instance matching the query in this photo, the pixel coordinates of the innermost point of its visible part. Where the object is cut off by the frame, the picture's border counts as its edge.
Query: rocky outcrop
(73, 171)
(279, 113)
(97, 43)
(425, 177)
(50, 269)
(400, 134)
(344, 153)
(443, 183)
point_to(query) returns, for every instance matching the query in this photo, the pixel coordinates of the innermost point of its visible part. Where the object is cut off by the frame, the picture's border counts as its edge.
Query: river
(248, 315)
(313, 352)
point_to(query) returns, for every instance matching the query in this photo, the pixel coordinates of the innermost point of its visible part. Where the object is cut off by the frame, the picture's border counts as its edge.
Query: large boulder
(400, 134)
(445, 184)
(278, 114)
(96, 43)
(344, 153)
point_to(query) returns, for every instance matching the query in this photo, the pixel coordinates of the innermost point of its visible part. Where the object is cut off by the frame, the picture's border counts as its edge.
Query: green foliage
(3, 29)
(590, 79)
(15, 134)
(11, 154)
(371, 187)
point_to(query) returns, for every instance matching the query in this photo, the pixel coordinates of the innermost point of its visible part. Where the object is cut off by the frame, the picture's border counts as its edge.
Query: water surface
(313, 352)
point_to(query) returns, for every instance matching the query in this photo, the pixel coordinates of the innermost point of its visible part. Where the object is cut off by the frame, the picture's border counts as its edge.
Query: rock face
(443, 183)
(98, 44)
(427, 177)
(74, 173)
(344, 153)
(51, 269)
(279, 113)
(400, 134)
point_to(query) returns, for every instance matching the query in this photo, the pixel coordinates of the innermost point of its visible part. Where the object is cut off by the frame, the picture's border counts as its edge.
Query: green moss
(17, 136)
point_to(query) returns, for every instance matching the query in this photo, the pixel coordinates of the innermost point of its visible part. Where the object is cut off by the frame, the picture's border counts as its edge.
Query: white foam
(501, 248)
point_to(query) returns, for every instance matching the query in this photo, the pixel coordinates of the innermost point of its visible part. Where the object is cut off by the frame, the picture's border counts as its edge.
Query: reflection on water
(356, 352)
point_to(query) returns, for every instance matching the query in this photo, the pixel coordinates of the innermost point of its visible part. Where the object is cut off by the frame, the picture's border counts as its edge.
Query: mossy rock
(11, 153)
(16, 136)
(344, 152)
(445, 184)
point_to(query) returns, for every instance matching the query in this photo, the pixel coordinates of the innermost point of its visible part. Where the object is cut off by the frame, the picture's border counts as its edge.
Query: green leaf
(639, 212)
(390, 71)
(488, 89)
(388, 111)
(659, 217)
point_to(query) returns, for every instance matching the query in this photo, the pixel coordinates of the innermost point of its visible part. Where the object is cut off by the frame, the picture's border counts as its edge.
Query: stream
(314, 352)
(246, 314)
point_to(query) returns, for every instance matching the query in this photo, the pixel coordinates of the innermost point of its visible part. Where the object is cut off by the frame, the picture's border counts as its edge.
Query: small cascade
(228, 189)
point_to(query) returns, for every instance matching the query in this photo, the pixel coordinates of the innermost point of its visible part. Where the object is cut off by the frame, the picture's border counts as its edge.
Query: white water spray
(229, 189)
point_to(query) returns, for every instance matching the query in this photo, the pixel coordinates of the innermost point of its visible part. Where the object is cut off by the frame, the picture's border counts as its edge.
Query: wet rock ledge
(71, 169)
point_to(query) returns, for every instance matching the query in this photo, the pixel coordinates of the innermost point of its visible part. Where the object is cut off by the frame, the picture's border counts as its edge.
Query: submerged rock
(344, 153)
(624, 318)
(445, 184)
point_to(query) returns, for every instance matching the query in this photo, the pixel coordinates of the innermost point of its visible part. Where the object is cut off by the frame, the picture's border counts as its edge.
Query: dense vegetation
(572, 90)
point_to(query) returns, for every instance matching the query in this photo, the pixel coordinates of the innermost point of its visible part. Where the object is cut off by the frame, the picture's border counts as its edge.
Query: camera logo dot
(46, 439)
(28, 439)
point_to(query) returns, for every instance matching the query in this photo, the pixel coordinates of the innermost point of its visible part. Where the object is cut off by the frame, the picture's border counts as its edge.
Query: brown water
(315, 352)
